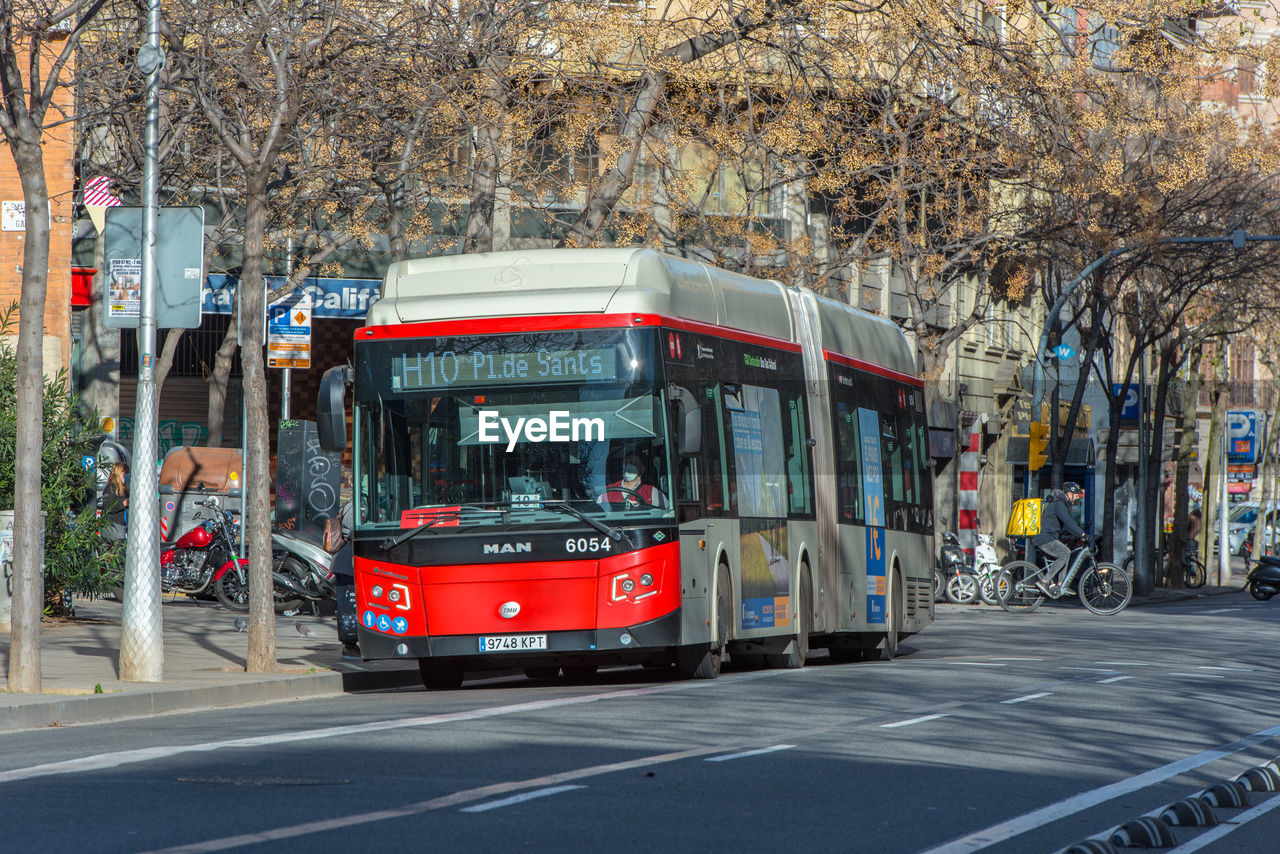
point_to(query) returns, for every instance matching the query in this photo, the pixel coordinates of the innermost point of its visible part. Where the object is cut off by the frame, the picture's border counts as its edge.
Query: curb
(81, 709)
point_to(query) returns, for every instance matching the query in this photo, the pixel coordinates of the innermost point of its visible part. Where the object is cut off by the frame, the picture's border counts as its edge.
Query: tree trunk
(1150, 493)
(1176, 545)
(25, 674)
(221, 376)
(1212, 469)
(165, 363)
(257, 481)
(484, 176)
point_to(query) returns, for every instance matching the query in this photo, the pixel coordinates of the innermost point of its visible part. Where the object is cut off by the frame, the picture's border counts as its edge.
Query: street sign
(179, 266)
(1063, 352)
(1242, 435)
(1130, 412)
(289, 331)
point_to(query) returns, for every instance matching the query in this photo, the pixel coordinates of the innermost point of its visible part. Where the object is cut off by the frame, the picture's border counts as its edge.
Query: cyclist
(1055, 520)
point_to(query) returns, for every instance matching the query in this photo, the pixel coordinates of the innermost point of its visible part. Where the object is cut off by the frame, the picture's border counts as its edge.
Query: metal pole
(1224, 544)
(141, 629)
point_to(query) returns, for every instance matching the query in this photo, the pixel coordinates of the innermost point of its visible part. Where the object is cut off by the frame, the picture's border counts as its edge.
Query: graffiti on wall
(172, 434)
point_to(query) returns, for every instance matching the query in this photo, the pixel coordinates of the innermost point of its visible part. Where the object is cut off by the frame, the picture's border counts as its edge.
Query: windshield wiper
(444, 516)
(612, 533)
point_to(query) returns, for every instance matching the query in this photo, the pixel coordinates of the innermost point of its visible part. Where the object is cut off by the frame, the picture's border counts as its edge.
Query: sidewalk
(204, 658)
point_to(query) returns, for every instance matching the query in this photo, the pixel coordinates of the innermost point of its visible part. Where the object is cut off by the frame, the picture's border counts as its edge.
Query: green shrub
(76, 558)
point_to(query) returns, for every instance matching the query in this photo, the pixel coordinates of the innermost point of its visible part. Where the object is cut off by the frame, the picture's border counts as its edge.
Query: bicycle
(1195, 574)
(1104, 588)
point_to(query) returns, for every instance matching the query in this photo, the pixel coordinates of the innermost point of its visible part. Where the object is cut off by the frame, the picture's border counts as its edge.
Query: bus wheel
(894, 629)
(798, 649)
(439, 675)
(703, 661)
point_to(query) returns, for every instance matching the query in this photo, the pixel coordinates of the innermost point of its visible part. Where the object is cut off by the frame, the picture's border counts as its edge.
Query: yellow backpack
(1024, 521)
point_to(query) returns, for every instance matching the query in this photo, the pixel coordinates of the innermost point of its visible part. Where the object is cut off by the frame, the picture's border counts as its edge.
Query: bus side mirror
(688, 421)
(331, 409)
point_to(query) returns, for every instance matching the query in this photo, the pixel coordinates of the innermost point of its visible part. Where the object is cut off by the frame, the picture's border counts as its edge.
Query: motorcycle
(1264, 579)
(199, 561)
(986, 566)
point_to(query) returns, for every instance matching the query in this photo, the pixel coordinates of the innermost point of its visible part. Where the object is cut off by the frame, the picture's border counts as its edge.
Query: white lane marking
(1200, 675)
(516, 799)
(465, 796)
(1089, 669)
(912, 721)
(746, 753)
(1222, 830)
(1113, 679)
(978, 663)
(1221, 611)
(147, 754)
(1028, 697)
(1235, 669)
(1006, 830)
(1125, 663)
(1015, 658)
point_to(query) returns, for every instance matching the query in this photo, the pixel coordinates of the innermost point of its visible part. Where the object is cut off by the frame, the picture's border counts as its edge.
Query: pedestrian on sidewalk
(115, 502)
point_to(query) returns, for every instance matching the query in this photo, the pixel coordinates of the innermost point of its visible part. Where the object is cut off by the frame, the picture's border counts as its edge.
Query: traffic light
(1037, 446)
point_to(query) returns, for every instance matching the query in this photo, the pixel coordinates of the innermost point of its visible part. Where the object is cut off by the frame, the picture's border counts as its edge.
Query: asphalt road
(995, 732)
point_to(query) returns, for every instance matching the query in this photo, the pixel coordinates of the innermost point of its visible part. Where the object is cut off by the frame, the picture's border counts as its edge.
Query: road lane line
(1216, 833)
(1200, 675)
(1019, 825)
(912, 721)
(1028, 697)
(978, 663)
(1221, 611)
(1015, 658)
(749, 753)
(1113, 679)
(521, 798)
(1234, 669)
(1089, 669)
(1125, 663)
(103, 761)
(465, 796)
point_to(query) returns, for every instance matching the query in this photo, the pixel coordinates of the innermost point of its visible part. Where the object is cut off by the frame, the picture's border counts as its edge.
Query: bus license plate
(513, 643)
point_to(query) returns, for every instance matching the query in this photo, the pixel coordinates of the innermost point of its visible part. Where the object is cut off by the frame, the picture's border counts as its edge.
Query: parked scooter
(301, 566)
(986, 566)
(960, 585)
(1264, 579)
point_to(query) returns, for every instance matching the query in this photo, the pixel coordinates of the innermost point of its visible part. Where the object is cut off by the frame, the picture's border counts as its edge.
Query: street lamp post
(141, 634)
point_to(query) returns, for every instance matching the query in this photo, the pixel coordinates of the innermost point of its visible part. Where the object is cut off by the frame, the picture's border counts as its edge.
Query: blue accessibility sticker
(369, 619)
(384, 623)
(399, 625)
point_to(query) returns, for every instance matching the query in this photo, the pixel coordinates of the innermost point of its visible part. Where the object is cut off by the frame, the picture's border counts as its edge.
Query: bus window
(848, 462)
(758, 455)
(799, 462)
(891, 453)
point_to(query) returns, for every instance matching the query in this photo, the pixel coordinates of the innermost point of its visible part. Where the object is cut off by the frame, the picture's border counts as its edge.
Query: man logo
(507, 548)
(509, 610)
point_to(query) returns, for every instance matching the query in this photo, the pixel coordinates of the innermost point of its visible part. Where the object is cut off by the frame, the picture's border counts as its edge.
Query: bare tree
(37, 45)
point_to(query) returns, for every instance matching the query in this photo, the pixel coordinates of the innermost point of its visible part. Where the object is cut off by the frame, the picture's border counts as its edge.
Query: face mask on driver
(630, 473)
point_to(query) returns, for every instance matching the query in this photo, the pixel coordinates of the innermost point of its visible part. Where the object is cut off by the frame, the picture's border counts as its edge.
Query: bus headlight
(376, 592)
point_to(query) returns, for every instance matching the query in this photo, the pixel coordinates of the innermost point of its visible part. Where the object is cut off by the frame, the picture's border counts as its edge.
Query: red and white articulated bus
(572, 458)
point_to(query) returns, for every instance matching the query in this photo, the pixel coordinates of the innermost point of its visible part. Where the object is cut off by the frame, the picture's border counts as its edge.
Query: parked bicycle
(1103, 588)
(1194, 574)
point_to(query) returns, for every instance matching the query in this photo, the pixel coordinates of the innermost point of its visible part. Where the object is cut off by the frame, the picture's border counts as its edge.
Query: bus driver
(630, 491)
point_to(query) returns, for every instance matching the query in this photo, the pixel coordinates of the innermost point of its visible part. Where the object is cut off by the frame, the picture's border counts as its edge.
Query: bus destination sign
(448, 368)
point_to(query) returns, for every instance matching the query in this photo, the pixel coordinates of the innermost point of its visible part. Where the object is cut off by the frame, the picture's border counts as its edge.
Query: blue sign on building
(349, 298)
(1242, 436)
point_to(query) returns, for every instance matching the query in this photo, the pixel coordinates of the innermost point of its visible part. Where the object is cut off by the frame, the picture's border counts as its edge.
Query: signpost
(289, 331)
(1242, 435)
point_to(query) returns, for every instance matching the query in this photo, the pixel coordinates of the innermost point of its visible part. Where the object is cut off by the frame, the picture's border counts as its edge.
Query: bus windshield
(513, 430)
